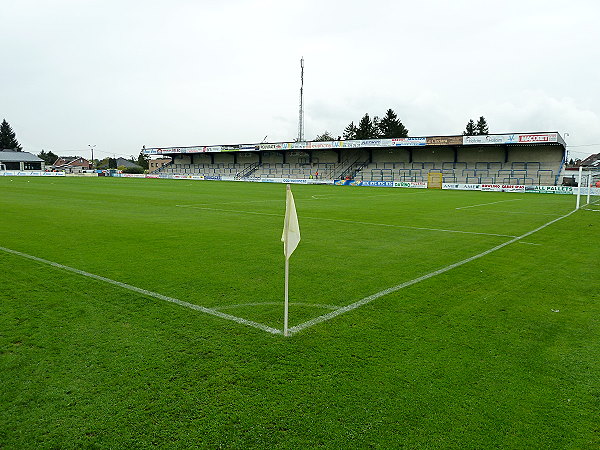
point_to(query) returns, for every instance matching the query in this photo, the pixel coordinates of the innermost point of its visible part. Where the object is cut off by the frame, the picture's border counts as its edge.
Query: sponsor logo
(411, 184)
(408, 141)
(491, 187)
(378, 183)
(537, 138)
(371, 142)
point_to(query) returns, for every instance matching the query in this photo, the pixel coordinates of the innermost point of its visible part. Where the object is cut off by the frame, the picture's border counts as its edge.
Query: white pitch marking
(354, 222)
(491, 203)
(520, 212)
(203, 309)
(276, 304)
(370, 298)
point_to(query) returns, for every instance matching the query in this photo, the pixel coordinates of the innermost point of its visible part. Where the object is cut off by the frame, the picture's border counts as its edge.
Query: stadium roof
(455, 140)
(12, 156)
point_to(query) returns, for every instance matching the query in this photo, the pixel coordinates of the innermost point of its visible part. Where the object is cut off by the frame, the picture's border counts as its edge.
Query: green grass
(474, 357)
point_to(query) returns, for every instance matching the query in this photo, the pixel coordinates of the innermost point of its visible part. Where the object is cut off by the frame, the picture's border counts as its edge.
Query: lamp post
(92, 149)
(566, 149)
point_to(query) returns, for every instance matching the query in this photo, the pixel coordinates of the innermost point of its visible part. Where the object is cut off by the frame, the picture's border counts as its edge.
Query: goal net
(588, 195)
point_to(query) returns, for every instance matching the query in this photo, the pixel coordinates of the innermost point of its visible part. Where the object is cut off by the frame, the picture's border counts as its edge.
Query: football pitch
(139, 313)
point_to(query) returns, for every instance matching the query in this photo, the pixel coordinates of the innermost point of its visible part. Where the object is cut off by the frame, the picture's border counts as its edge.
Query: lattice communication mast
(301, 118)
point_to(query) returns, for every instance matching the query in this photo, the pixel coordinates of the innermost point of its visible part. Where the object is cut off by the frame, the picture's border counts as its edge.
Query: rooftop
(12, 156)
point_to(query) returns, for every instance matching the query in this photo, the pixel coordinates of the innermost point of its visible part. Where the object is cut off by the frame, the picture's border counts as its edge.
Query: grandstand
(516, 159)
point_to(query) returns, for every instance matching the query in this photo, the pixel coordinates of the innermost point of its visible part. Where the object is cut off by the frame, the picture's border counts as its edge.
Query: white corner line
(203, 309)
(387, 291)
(491, 203)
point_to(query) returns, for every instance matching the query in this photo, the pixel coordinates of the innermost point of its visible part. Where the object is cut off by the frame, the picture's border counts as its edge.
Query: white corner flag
(291, 229)
(290, 239)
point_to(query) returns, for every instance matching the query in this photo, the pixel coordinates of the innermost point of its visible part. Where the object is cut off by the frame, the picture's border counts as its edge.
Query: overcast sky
(122, 74)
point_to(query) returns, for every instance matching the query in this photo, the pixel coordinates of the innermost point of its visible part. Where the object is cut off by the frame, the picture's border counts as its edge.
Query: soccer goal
(588, 193)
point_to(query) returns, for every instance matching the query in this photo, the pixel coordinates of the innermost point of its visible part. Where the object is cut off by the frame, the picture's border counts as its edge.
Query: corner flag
(291, 229)
(290, 239)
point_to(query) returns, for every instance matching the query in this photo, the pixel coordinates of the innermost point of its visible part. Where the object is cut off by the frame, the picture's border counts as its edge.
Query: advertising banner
(539, 137)
(512, 188)
(411, 184)
(490, 139)
(295, 181)
(350, 144)
(325, 144)
(193, 150)
(444, 140)
(370, 143)
(37, 173)
(402, 142)
(549, 189)
(378, 183)
(491, 187)
(531, 138)
(279, 146)
(462, 187)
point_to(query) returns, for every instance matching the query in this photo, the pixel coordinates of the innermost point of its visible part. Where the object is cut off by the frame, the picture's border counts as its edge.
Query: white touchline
(203, 309)
(491, 203)
(350, 221)
(370, 298)
(494, 211)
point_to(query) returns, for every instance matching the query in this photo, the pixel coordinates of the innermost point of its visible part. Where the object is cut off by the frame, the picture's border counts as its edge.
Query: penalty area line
(407, 227)
(370, 298)
(145, 292)
(491, 203)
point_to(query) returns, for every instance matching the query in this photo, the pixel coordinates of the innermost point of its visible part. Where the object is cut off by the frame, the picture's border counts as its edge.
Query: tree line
(387, 127)
(390, 126)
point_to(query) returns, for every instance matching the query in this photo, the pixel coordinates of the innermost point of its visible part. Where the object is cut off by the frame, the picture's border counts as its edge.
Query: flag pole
(285, 303)
(290, 239)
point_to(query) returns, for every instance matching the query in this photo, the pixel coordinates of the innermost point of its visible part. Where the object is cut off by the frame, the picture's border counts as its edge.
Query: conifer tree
(350, 131)
(482, 126)
(8, 139)
(367, 128)
(391, 127)
(470, 130)
(142, 160)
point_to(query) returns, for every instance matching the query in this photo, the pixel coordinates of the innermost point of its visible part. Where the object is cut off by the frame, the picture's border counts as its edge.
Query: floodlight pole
(301, 115)
(92, 149)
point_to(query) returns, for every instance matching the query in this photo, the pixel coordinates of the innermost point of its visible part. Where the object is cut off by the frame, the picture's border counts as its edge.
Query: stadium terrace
(535, 158)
